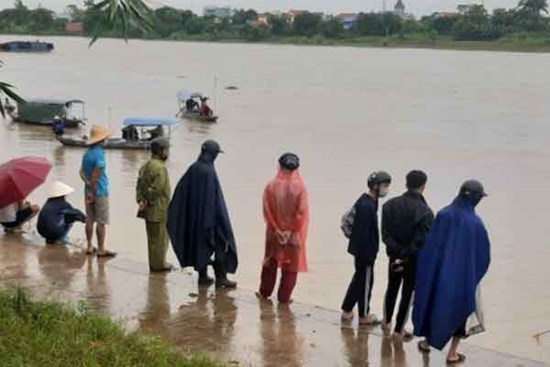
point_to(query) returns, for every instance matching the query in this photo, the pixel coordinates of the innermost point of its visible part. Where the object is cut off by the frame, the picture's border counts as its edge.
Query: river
(345, 112)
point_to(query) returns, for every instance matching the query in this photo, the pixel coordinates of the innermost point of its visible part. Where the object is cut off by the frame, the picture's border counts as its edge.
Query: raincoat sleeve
(269, 217)
(302, 212)
(151, 183)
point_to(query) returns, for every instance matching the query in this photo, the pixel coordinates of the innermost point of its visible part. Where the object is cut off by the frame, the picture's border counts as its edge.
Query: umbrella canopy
(20, 176)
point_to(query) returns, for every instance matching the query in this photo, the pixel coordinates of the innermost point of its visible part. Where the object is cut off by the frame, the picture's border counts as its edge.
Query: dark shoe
(205, 281)
(226, 283)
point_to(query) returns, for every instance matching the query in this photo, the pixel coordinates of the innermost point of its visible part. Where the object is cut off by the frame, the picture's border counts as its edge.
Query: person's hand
(142, 205)
(90, 198)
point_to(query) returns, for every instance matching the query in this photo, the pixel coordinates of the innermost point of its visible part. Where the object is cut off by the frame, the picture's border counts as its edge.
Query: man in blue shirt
(93, 173)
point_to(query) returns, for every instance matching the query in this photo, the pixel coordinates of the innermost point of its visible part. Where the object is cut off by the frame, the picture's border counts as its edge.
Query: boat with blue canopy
(135, 133)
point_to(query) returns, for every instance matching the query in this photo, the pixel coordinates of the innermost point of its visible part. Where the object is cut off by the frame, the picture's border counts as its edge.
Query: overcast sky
(416, 7)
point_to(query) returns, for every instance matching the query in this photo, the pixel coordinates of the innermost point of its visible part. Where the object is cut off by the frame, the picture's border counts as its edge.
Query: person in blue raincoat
(452, 263)
(198, 221)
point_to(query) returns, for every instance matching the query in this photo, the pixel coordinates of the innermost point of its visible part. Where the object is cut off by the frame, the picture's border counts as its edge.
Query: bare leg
(90, 236)
(453, 353)
(101, 232)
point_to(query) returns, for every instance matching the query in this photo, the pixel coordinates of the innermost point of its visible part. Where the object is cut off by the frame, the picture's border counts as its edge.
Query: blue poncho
(453, 261)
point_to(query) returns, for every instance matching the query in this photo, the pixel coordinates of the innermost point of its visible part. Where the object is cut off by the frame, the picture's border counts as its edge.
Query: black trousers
(218, 264)
(395, 280)
(360, 289)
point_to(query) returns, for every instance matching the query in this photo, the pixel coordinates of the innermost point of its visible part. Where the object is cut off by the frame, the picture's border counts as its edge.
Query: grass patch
(44, 333)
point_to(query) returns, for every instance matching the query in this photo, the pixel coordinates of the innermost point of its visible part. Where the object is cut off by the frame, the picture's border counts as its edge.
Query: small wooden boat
(26, 46)
(43, 112)
(129, 141)
(197, 117)
(110, 143)
(190, 112)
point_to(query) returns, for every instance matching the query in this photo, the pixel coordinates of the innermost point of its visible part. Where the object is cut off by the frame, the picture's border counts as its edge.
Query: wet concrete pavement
(232, 325)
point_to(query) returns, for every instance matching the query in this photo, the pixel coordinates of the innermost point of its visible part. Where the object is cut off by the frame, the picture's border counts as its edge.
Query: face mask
(383, 192)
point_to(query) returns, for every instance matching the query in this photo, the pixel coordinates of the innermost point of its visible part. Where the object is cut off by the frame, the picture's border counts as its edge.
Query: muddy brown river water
(346, 112)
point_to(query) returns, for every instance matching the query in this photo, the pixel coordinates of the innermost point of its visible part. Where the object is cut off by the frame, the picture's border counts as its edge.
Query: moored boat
(131, 139)
(26, 46)
(44, 111)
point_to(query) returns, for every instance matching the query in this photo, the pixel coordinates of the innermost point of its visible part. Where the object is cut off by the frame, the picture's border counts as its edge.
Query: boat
(132, 139)
(26, 46)
(183, 96)
(43, 111)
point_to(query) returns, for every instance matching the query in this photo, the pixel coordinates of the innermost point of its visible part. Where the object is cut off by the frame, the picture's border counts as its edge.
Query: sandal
(93, 251)
(371, 321)
(346, 320)
(461, 359)
(107, 253)
(424, 347)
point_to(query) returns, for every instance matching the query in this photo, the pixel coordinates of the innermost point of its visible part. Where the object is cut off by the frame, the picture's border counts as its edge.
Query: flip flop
(346, 320)
(373, 322)
(106, 254)
(424, 347)
(461, 359)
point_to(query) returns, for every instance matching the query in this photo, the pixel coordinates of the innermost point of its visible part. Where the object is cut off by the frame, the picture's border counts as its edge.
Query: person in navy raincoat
(452, 263)
(58, 216)
(198, 221)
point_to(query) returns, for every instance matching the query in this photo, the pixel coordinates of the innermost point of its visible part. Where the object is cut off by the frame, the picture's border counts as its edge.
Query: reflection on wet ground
(232, 325)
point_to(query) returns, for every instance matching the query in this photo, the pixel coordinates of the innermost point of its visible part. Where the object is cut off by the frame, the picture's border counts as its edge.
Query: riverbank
(513, 43)
(47, 333)
(231, 325)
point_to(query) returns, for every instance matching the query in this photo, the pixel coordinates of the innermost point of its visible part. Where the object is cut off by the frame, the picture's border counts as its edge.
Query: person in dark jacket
(406, 221)
(363, 245)
(198, 221)
(57, 216)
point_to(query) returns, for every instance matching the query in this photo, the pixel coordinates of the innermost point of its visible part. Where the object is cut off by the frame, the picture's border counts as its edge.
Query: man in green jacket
(153, 198)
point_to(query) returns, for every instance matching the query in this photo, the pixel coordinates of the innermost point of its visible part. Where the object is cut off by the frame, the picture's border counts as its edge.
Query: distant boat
(26, 46)
(138, 141)
(43, 111)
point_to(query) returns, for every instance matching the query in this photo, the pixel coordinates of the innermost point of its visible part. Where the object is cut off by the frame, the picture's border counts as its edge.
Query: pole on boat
(216, 92)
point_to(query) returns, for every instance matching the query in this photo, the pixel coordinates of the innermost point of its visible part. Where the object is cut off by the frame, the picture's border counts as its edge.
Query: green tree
(504, 20)
(75, 13)
(332, 28)
(195, 25)
(242, 17)
(377, 24)
(279, 24)
(529, 14)
(168, 20)
(306, 24)
(440, 24)
(474, 25)
(41, 20)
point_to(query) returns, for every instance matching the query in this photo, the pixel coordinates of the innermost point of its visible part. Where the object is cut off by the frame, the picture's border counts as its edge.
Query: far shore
(527, 44)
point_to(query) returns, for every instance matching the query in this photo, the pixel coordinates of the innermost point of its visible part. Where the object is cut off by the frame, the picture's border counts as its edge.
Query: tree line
(472, 22)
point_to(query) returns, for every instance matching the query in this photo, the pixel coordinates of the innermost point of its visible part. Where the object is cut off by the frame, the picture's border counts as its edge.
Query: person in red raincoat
(286, 214)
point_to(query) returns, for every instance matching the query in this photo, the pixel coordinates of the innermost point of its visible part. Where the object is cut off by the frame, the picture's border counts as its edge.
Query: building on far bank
(347, 19)
(292, 13)
(445, 14)
(399, 9)
(217, 12)
(74, 27)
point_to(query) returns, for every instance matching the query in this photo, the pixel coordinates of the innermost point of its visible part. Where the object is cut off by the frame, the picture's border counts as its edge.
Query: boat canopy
(149, 121)
(53, 101)
(184, 95)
